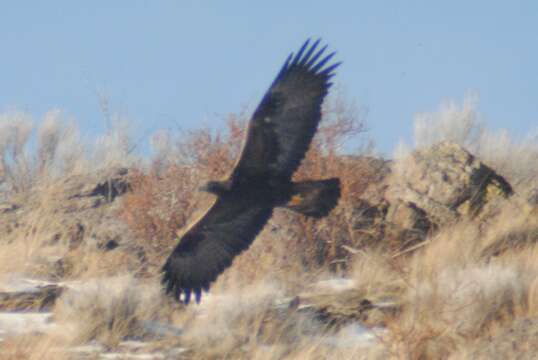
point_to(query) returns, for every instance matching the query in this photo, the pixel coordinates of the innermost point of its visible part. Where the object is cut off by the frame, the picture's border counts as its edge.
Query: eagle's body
(275, 192)
(278, 136)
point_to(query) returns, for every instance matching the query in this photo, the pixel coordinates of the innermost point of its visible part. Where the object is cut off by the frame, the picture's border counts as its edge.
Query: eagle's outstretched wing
(278, 137)
(209, 246)
(287, 118)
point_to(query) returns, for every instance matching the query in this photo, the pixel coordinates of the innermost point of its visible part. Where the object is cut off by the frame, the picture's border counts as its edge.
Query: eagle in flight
(278, 136)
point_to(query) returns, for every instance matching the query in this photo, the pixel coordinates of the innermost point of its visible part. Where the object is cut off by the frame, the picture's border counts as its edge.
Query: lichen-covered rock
(446, 182)
(431, 187)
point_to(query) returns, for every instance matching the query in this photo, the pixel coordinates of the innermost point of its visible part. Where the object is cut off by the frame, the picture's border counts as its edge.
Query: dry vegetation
(468, 282)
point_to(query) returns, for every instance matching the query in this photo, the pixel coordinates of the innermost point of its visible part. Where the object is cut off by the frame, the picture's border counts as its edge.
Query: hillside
(431, 254)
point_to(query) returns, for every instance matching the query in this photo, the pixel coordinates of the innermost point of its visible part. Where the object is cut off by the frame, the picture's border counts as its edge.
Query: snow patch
(25, 322)
(132, 356)
(335, 284)
(356, 335)
(16, 283)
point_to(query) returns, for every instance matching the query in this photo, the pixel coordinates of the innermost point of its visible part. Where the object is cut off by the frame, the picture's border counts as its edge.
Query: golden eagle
(278, 136)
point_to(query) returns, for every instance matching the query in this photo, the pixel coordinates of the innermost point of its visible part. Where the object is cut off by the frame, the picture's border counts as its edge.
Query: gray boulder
(429, 188)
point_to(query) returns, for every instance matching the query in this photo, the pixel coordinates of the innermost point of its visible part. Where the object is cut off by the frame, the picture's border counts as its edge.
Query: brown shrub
(165, 197)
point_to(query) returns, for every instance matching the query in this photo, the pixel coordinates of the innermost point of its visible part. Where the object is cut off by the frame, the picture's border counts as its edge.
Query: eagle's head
(216, 187)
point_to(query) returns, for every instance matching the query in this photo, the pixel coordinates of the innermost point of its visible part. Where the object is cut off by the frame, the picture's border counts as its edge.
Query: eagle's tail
(315, 198)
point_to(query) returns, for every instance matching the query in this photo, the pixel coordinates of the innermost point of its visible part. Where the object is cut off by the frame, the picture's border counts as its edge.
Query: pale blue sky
(164, 63)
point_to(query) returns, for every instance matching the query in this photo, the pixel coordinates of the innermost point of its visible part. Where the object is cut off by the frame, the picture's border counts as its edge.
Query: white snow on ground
(12, 323)
(25, 322)
(84, 349)
(161, 329)
(134, 350)
(17, 283)
(335, 284)
(132, 356)
(356, 335)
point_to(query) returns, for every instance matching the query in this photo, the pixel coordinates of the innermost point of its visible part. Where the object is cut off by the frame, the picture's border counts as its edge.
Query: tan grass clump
(240, 322)
(453, 296)
(109, 310)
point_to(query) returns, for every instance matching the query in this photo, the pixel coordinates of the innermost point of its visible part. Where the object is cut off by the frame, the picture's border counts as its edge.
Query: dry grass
(514, 158)
(31, 347)
(465, 283)
(109, 310)
(33, 155)
(450, 295)
(247, 323)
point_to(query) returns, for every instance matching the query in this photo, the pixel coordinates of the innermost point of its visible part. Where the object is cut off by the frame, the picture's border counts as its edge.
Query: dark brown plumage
(278, 136)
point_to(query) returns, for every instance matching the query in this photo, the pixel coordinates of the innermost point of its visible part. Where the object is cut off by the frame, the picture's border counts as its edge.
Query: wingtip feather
(284, 67)
(316, 56)
(187, 298)
(328, 70)
(309, 53)
(300, 52)
(197, 295)
(309, 60)
(323, 62)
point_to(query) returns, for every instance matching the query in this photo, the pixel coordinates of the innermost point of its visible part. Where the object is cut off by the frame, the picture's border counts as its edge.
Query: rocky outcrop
(337, 309)
(78, 212)
(429, 188)
(38, 299)
(446, 182)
